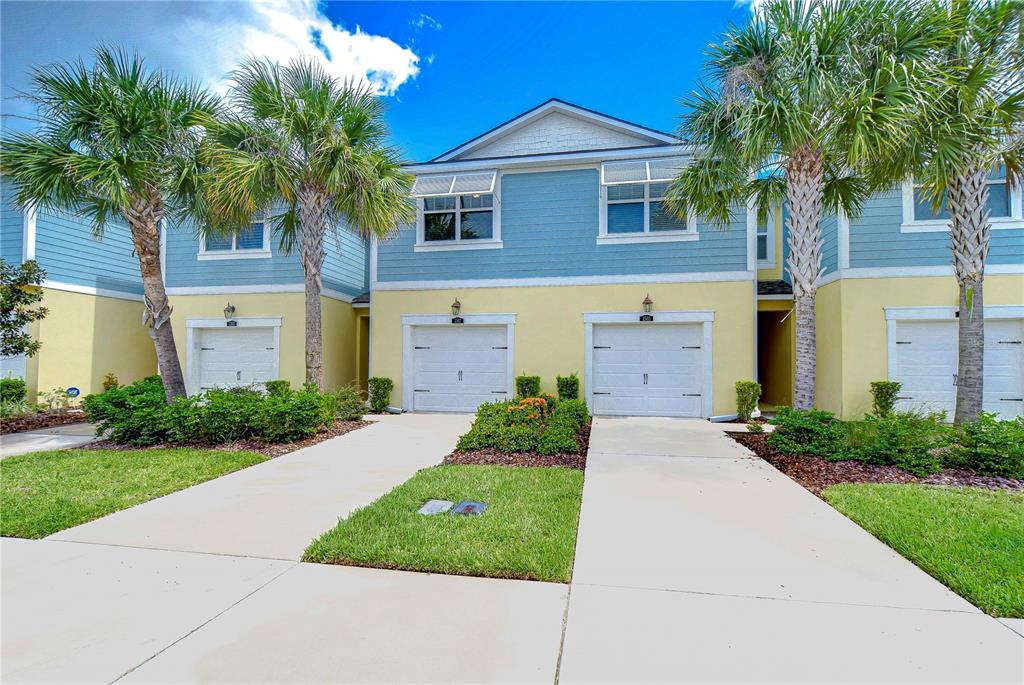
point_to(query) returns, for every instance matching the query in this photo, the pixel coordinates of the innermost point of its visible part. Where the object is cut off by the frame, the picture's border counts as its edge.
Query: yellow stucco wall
(856, 342)
(549, 326)
(338, 330)
(86, 337)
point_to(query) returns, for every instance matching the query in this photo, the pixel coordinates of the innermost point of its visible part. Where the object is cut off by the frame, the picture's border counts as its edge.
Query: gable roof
(643, 135)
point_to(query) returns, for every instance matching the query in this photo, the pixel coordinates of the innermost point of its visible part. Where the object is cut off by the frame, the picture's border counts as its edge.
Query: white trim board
(996, 311)
(695, 277)
(91, 290)
(704, 317)
(411, 320)
(913, 272)
(255, 289)
(191, 340)
(28, 233)
(543, 159)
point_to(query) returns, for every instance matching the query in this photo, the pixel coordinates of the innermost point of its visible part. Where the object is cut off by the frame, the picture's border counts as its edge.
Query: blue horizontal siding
(67, 250)
(829, 244)
(344, 266)
(11, 225)
(549, 228)
(876, 240)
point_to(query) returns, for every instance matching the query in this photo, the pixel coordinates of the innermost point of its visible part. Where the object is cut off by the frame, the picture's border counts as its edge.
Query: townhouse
(544, 247)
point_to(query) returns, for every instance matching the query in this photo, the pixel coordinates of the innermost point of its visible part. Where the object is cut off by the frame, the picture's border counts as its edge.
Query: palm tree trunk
(312, 227)
(969, 232)
(144, 222)
(805, 183)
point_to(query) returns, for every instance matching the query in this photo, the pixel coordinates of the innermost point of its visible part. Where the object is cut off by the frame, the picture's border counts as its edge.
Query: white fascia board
(28, 233)
(544, 110)
(550, 159)
(695, 277)
(254, 290)
(914, 272)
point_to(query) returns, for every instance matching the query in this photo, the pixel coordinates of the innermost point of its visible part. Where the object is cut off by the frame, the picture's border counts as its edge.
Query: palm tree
(115, 141)
(795, 104)
(973, 124)
(298, 139)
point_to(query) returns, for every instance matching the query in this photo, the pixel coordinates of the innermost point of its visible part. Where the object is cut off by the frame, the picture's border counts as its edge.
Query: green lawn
(971, 540)
(43, 492)
(528, 530)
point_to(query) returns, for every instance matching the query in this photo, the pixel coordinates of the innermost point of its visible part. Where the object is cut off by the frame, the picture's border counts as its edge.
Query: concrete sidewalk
(698, 562)
(53, 438)
(275, 509)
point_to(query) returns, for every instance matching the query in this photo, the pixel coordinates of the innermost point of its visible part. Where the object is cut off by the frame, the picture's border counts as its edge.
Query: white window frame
(235, 252)
(911, 225)
(647, 236)
(492, 243)
(770, 229)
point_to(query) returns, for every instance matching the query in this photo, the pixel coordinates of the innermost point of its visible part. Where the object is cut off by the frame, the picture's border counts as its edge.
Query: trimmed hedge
(380, 393)
(138, 414)
(533, 424)
(527, 386)
(568, 387)
(989, 447)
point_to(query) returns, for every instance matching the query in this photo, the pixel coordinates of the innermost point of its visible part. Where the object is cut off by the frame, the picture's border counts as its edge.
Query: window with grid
(635, 197)
(456, 207)
(248, 240)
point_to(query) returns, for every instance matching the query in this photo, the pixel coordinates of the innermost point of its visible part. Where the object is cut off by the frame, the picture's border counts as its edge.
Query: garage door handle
(903, 342)
(504, 347)
(601, 393)
(645, 379)
(691, 394)
(421, 391)
(499, 392)
(421, 348)
(1010, 342)
(460, 375)
(908, 397)
(1011, 399)
(691, 347)
(206, 348)
(602, 347)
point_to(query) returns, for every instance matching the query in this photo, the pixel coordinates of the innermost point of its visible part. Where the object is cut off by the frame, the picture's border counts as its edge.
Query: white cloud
(214, 41)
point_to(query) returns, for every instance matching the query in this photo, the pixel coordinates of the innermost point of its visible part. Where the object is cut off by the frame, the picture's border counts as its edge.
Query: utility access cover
(435, 506)
(469, 508)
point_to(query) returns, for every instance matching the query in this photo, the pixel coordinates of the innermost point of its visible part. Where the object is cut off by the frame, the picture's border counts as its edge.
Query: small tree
(19, 293)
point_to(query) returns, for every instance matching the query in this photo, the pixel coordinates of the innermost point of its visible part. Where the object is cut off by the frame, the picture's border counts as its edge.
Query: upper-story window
(248, 243)
(766, 241)
(1004, 206)
(458, 211)
(634, 206)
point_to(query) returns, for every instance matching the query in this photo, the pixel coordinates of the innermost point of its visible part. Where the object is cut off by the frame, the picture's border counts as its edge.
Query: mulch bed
(494, 457)
(274, 449)
(46, 419)
(817, 473)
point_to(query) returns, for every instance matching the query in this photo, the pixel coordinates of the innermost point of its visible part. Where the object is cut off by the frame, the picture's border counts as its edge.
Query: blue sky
(448, 70)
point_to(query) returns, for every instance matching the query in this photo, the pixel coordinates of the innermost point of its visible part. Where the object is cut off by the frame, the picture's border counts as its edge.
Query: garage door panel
(458, 368)
(1004, 368)
(647, 370)
(233, 357)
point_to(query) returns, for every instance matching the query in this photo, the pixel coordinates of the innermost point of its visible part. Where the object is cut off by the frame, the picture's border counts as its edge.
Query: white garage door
(648, 369)
(458, 368)
(230, 357)
(926, 364)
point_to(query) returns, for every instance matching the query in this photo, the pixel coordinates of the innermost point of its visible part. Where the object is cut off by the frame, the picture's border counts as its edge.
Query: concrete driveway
(53, 438)
(698, 562)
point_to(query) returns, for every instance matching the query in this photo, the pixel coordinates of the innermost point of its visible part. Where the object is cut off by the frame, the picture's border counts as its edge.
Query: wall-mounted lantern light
(648, 304)
(229, 311)
(456, 307)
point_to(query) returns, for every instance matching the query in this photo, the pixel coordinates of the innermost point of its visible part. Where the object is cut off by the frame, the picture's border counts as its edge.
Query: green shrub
(568, 387)
(527, 386)
(134, 414)
(747, 395)
(380, 393)
(883, 397)
(755, 427)
(908, 440)
(558, 438)
(278, 387)
(291, 417)
(574, 412)
(989, 447)
(514, 439)
(12, 390)
(11, 408)
(806, 431)
(347, 403)
(520, 426)
(228, 415)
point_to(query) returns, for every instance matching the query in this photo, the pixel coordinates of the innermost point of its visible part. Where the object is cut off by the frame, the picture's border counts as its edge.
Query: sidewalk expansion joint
(166, 549)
